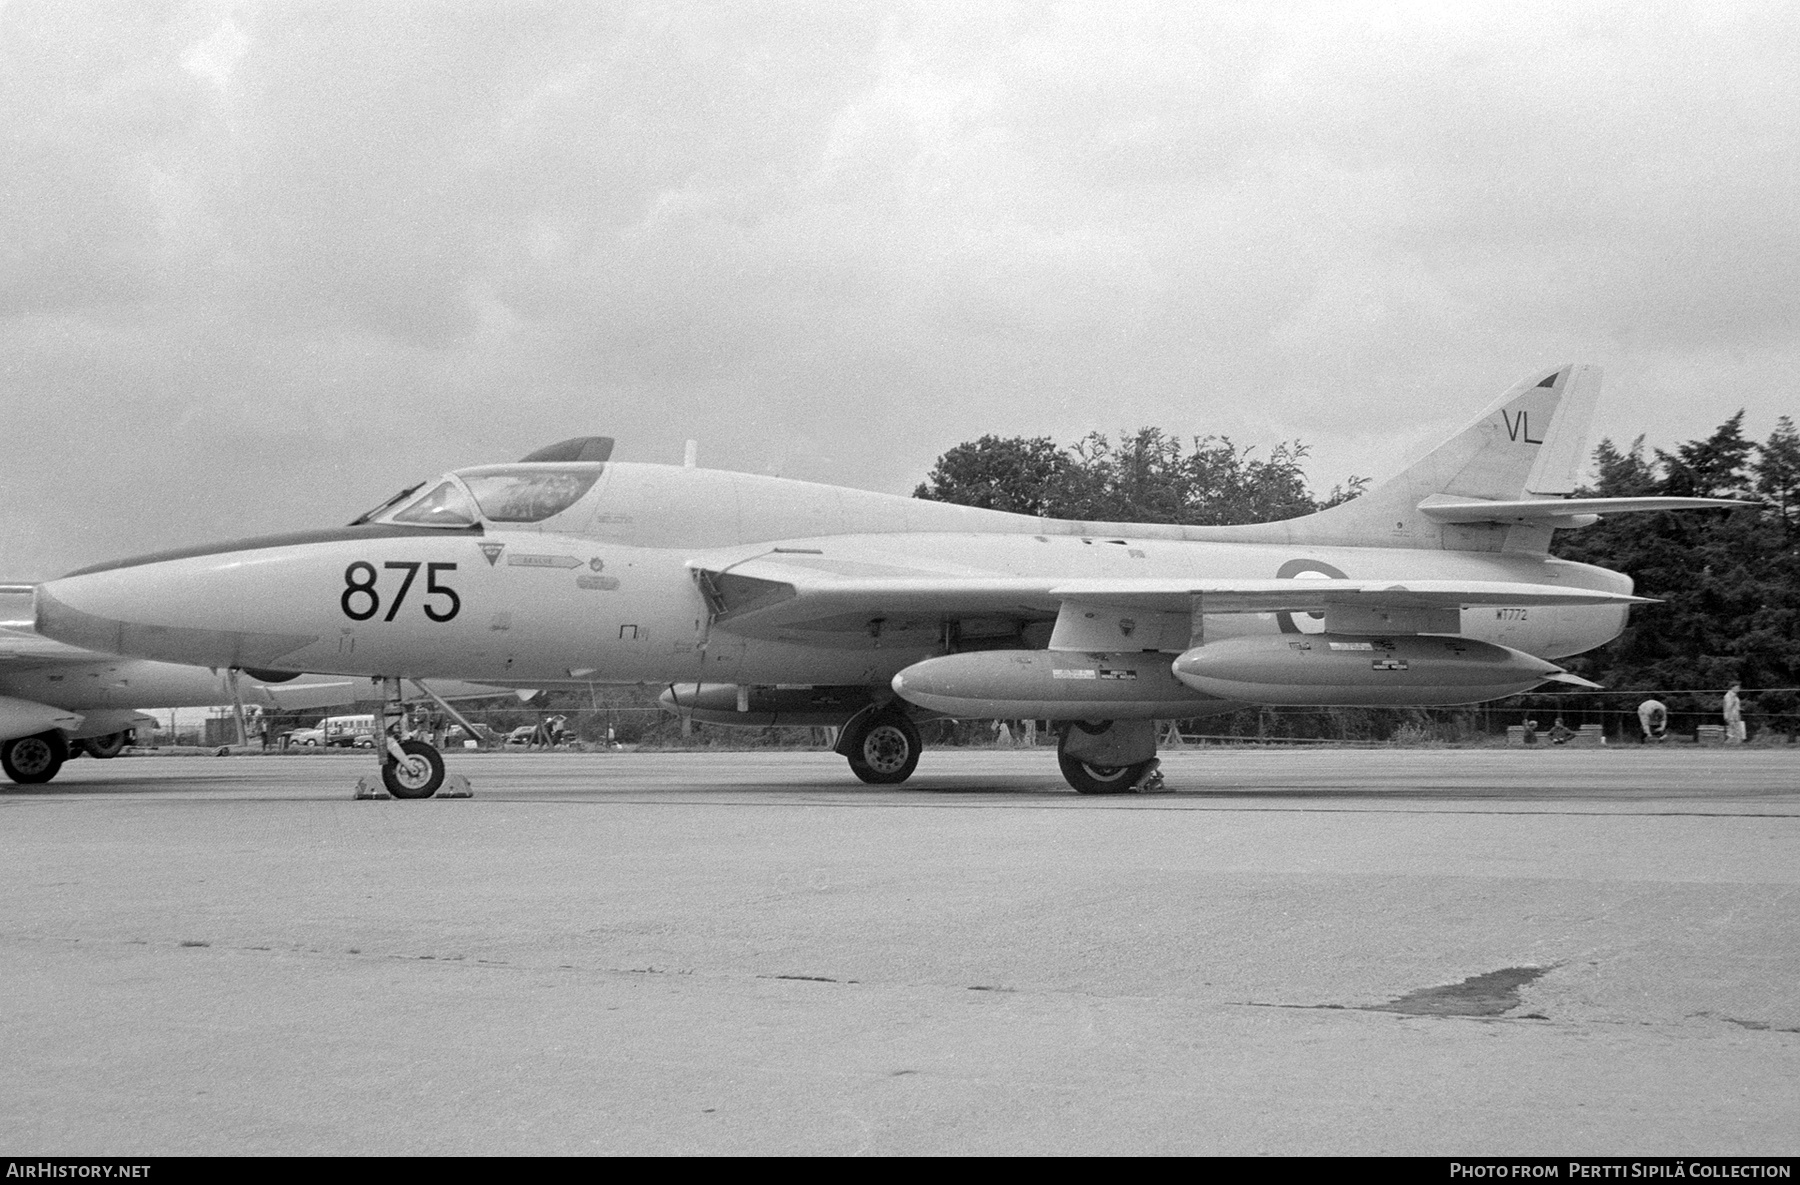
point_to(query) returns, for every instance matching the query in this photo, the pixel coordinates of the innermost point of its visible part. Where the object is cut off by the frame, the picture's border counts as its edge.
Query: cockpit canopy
(492, 493)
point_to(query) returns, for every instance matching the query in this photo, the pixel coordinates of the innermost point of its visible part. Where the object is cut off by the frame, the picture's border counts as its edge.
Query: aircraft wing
(767, 596)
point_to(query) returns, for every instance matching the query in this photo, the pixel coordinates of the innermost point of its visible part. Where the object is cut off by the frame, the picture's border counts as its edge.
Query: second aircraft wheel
(885, 750)
(110, 745)
(418, 776)
(1099, 779)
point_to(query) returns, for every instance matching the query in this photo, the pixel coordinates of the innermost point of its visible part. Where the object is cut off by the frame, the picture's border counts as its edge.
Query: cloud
(266, 262)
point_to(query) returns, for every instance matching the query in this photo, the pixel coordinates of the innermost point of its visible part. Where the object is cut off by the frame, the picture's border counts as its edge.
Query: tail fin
(1529, 442)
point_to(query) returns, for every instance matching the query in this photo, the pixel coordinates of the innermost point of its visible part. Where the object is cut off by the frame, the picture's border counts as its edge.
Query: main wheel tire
(110, 745)
(884, 751)
(1099, 779)
(33, 760)
(418, 776)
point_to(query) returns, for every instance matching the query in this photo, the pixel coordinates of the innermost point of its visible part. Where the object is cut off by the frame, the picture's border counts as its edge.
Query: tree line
(1727, 582)
(1148, 477)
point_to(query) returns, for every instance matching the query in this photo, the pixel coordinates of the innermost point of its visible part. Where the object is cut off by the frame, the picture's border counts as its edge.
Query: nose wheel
(417, 772)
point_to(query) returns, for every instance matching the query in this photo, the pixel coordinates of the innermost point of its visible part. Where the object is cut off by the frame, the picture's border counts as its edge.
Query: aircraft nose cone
(154, 611)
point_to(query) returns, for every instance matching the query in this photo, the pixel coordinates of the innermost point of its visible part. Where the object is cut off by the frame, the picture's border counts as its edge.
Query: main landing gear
(1110, 756)
(882, 744)
(1096, 756)
(33, 760)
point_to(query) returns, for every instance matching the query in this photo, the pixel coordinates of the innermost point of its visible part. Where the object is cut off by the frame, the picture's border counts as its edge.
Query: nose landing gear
(409, 768)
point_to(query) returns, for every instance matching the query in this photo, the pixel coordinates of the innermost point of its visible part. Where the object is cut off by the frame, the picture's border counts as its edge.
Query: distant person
(1734, 715)
(1653, 718)
(1560, 732)
(1530, 734)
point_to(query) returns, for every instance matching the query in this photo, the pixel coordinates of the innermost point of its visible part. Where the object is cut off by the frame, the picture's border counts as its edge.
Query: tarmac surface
(1477, 952)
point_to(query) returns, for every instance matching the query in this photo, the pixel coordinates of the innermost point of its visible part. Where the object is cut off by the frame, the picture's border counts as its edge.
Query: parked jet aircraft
(59, 701)
(756, 599)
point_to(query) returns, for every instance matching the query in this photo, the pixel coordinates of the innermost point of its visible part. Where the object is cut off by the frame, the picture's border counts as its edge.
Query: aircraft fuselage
(538, 606)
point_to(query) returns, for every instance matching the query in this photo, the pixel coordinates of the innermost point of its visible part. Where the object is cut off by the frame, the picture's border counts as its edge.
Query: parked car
(345, 732)
(521, 735)
(306, 738)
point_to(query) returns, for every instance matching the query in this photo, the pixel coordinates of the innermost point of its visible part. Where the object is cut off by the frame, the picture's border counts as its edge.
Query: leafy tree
(1148, 476)
(1014, 474)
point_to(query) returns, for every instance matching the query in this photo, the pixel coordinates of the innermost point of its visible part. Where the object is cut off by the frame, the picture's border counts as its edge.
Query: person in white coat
(1734, 715)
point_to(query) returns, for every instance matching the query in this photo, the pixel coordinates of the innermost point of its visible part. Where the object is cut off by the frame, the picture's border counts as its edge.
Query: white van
(345, 732)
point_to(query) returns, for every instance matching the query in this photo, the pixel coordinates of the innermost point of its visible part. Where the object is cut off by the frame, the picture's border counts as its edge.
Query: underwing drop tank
(1316, 670)
(1053, 685)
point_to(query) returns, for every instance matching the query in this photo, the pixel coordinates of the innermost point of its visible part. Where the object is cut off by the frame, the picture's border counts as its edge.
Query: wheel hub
(413, 772)
(885, 750)
(32, 756)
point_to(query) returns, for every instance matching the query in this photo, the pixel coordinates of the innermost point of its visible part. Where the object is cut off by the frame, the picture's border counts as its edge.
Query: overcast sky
(262, 264)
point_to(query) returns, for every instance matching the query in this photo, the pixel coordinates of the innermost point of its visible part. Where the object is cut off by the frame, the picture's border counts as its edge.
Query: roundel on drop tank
(1305, 623)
